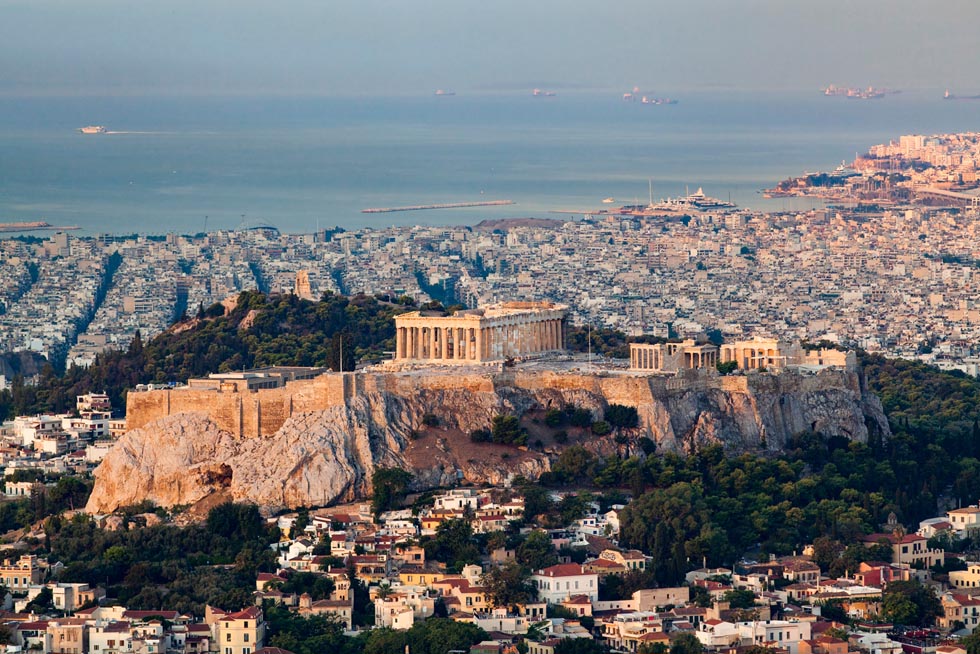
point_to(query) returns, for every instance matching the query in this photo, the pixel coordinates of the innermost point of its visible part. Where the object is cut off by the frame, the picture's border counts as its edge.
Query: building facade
(489, 334)
(671, 357)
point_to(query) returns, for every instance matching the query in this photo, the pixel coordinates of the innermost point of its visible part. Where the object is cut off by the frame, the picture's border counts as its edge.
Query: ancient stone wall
(247, 414)
(263, 412)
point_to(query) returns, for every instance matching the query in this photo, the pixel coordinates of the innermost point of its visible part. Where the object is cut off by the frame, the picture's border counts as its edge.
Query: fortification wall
(262, 412)
(248, 414)
(145, 407)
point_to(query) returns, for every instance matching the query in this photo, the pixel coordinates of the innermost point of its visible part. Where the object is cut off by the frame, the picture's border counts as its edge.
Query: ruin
(758, 353)
(489, 334)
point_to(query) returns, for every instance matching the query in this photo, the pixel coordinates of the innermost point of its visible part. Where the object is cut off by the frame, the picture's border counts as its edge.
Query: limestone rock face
(179, 461)
(321, 457)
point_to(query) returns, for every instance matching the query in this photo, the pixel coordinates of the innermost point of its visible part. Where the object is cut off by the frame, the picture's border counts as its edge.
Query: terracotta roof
(251, 613)
(578, 599)
(563, 570)
(654, 636)
(117, 627)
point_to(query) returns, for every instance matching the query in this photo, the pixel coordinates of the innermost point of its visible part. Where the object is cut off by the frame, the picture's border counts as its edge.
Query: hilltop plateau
(427, 421)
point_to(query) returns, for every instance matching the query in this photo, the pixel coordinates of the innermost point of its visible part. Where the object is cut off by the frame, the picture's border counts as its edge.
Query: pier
(34, 226)
(450, 205)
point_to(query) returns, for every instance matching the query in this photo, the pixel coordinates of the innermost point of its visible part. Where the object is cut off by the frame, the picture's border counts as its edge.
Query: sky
(406, 47)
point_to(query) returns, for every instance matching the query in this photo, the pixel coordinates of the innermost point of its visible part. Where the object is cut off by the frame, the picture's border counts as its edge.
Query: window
(228, 638)
(246, 637)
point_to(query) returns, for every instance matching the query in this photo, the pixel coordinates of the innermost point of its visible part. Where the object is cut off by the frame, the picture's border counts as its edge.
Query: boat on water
(703, 202)
(609, 200)
(857, 93)
(657, 101)
(538, 93)
(950, 96)
(445, 92)
(696, 201)
(92, 129)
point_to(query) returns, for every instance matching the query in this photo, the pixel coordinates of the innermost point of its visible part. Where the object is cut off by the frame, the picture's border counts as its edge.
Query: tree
(536, 631)
(726, 367)
(739, 598)
(971, 643)
(302, 635)
(554, 417)
(43, 602)
(578, 417)
(508, 585)
(574, 463)
(388, 488)
(910, 603)
(578, 646)
(506, 430)
(241, 522)
(536, 551)
(686, 643)
(317, 586)
(537, 500)
(453, 544)
(601, 428)
(826, 551)
(622, 417)
(441, 635)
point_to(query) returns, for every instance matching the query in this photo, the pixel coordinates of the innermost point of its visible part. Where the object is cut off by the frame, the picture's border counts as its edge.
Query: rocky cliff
(328, 455)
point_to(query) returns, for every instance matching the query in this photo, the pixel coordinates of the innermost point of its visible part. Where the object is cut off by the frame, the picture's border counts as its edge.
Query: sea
(192, 164)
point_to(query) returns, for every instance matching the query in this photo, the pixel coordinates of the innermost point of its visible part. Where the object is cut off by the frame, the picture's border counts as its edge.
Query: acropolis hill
(312, 442)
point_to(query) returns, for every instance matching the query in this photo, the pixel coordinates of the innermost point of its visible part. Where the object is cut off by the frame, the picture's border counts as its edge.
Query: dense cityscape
(358, 328)
(596, 556)
(827, 274)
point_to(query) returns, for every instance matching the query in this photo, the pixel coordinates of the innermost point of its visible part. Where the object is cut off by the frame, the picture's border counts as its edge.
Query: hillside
(258, 330)
(336, 430)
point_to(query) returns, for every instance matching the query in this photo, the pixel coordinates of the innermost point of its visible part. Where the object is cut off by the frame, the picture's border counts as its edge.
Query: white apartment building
(561, 581)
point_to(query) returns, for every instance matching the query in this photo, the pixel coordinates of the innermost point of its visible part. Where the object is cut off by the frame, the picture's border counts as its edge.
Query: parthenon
(492, 333)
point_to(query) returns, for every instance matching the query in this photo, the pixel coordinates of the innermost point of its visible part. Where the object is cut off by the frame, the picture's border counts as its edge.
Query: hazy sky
(344, 47)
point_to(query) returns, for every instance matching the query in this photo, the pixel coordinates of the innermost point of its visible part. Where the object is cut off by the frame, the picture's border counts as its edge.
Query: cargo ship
(646, 100)
(950, 96)
(856, 93)
(92, 129)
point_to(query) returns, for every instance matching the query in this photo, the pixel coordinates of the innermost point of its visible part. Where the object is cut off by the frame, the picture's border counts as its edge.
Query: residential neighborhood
(785, 604)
